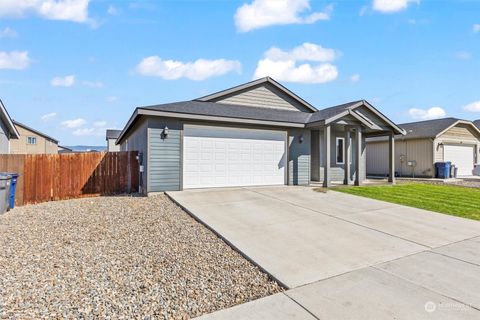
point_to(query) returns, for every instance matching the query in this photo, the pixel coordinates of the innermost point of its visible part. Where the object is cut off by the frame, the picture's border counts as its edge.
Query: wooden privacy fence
(76, 175)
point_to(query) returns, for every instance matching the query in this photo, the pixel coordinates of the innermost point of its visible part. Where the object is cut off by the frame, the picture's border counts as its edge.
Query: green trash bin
(5, 181)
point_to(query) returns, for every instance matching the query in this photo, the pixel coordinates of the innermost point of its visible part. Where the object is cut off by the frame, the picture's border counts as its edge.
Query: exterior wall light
(165, 132)
(300, 138)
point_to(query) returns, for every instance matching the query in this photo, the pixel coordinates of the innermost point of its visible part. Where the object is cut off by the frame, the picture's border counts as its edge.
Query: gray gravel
(118, 257)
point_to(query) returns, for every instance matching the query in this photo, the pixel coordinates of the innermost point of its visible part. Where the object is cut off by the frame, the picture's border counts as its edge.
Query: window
(340, 150)
(31, 140)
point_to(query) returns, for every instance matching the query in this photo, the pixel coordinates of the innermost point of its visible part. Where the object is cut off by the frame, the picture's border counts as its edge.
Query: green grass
(452, 200)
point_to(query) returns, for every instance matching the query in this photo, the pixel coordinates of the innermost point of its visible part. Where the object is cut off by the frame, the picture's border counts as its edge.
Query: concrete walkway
(344, 256)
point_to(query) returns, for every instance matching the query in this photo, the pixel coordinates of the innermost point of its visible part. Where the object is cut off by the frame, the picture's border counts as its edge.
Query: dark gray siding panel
(164, 156)
(299, 157)
(337, 170)
(137, 141)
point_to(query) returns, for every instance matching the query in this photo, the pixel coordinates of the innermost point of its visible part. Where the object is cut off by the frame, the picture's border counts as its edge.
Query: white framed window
(340, 151)
(31, 140)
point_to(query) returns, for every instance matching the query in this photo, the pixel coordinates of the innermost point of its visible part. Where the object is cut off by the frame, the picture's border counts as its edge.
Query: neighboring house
(63, 149)
(477, 123)
(258, 133)
(426, 143)
(32, 141)
(112, 136)
(8, 132)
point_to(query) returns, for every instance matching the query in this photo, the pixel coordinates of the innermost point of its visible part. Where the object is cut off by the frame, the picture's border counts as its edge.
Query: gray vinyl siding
(299, 157)
(265, 95)
(4, 139)
(315, 155)
(164, 155)
(137, 141)
(419, 150)
(337, 171)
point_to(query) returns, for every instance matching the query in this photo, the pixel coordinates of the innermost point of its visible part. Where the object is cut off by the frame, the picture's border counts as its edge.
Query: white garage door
(230, 157)
(461, 157)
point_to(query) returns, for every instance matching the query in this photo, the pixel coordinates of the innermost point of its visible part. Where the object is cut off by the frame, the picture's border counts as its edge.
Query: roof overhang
(35, 131)
(8, 122)
(255, 83)
(139, 112)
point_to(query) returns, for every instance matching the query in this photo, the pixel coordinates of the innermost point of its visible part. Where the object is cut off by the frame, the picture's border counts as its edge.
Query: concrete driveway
(341, 255)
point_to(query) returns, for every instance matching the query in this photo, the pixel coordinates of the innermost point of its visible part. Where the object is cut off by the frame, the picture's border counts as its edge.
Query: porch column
(391, 157)
(326, 156)
(358, 155)
(346, 160)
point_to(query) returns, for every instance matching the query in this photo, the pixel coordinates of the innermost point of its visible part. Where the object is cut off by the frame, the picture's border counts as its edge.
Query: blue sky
(73, 68)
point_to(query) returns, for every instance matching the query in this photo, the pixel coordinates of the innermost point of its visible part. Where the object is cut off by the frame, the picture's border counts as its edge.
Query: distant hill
(87, 148)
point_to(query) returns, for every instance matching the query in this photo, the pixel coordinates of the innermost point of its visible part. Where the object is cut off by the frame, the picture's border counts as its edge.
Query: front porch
(338, 148)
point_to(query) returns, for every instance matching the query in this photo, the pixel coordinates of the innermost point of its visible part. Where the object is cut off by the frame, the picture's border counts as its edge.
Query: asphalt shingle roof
(427, 128)
(243, 112)
(113, 134)
(232, 111)
(477, 123)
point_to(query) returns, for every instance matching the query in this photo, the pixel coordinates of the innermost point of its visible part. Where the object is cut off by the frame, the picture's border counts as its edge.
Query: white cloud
(282, 65)
(112, 10)
(472, 107)
(363, 11)
(427, 114)
(66, 81)
(16, 60)
(93, 84)
(97, 129)
(355, 77)
(112, 99)
(74, 123)
(263, 13)
(8, 32)
(391, 6)
(200, 69)
(463, 55)
(476, 28)
(305, 52)
(69, 10)
(48, 116)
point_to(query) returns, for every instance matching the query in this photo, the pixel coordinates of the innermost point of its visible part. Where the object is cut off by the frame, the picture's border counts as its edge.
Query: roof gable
(27, 128)
(433, 128)
(263, 93)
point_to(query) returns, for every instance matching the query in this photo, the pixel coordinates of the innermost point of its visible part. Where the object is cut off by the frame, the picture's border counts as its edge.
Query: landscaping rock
(118, 257)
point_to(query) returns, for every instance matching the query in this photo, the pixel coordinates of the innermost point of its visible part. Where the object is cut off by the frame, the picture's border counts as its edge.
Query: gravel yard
(118, 257)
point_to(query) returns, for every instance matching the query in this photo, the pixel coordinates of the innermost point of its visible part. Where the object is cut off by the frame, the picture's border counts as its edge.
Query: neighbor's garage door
(461, 157)
(226, 157)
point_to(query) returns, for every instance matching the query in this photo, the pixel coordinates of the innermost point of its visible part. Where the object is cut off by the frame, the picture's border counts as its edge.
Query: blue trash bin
(443, 169)
(13, 188)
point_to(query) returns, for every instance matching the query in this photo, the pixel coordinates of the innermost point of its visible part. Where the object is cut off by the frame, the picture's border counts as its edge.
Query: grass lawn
(452, 200)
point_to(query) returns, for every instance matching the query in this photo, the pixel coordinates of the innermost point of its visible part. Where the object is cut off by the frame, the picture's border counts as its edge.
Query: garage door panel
(460, 156)
(217, 157)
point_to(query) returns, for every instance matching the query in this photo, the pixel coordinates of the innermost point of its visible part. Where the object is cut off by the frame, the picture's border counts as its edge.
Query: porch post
(391, 157)
(326, 156)
(346, 160)
(358, 155)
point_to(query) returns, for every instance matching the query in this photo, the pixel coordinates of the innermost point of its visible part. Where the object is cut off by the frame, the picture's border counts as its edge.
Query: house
(112, 136)
(32, 141)
(477, 123)
(425, 143)
(63, 149)
(8, 132)
(258, 133)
